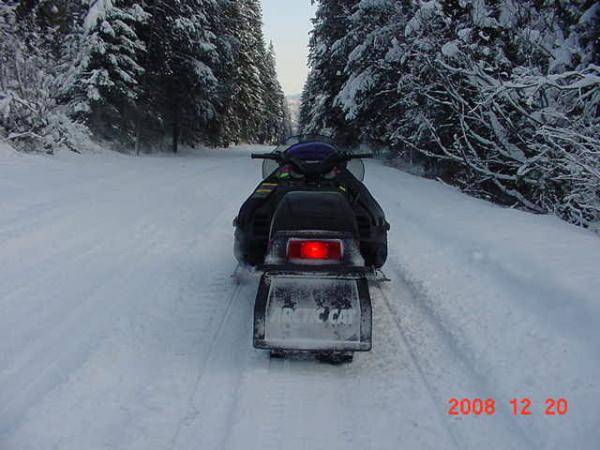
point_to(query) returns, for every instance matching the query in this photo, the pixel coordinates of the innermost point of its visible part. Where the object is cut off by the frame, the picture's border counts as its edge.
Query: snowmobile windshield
(292, 141)
(312, 148)
(311, 151)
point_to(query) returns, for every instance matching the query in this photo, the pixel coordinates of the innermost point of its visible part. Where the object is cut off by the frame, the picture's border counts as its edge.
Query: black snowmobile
(318, 236)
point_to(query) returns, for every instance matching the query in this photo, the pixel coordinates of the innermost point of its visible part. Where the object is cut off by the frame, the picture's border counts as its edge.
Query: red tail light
(315, 250)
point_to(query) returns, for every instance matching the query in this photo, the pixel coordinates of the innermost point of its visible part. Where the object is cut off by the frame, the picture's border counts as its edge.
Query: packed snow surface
(120, 327)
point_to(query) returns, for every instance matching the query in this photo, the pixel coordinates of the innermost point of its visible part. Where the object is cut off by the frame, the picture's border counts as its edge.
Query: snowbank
(514, 296)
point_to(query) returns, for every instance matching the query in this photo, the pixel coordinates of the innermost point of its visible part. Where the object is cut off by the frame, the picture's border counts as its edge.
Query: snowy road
(120, 327)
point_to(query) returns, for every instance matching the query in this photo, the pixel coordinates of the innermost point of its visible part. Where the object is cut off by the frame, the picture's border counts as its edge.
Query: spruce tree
(498, 97)
(276, 126)
(31, 70)
(180, 78)
(327, 60)
(107, 86)
(60, 21)
(188, 70)
(374, 33)
(243, 109)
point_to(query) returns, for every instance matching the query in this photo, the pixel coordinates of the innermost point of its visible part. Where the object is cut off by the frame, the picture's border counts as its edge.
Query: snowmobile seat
(314, 210)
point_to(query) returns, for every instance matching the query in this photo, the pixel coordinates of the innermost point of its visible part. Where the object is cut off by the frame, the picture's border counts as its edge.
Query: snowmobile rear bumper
(314, 310)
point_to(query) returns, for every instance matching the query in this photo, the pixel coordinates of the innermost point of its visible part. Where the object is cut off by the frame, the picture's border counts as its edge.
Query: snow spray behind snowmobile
(318, 236)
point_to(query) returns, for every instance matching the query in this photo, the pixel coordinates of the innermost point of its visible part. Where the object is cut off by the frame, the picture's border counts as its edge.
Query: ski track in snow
(121, 328)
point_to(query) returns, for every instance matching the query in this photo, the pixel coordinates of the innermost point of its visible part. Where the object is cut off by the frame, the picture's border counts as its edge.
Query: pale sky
(287, 23)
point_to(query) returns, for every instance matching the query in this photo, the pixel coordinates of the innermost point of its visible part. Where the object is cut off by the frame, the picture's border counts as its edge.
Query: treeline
(501, 98)
(138, 73)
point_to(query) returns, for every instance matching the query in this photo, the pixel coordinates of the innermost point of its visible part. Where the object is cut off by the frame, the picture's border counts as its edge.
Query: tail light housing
(314, 250)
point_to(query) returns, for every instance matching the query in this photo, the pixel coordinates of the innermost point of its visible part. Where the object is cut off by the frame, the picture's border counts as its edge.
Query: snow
(97, 11)
(352, 90)
(590, 14)
(465, 34)
(121, 328)
(481, 15)
(450, 49)
(415, 24)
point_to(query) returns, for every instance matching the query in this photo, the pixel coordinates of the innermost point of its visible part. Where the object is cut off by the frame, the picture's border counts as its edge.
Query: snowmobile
(318, 237)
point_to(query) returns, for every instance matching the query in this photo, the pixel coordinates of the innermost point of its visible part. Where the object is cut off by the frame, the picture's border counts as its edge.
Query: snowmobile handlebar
(278, 157)
(273, 156)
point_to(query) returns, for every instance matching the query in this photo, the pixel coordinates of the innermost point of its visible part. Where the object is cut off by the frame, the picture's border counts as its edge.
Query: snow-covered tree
(327, 59)
(181, 84)
(504, 104)
(244, 108)
(107, 86)
(498, 97)
(60, 21)
(30, 116)
(374, 30)
(276, 126)
(139, 71)
(252, 106)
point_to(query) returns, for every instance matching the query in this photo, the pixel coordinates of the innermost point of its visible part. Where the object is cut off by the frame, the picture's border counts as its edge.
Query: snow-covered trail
(120, 327)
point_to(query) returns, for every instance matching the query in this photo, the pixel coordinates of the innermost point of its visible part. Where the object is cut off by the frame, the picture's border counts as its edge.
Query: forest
(138, 74)
(500, 98)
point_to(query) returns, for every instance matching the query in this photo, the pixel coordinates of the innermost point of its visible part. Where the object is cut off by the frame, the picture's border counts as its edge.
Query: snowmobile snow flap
(313, 310)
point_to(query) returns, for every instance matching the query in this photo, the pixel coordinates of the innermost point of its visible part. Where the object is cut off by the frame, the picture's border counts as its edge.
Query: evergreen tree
(498, 97)
(30, 116)
(60, 21)
(107, 86)
(276, 125)
(189, 70)
(181, 80)
(498, 104)
(327, 59)
(373, 36)
(245, 107)
(223, 130)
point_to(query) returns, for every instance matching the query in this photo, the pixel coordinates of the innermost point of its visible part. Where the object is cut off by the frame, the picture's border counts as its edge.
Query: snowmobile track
(462, 367)
(191, 413)
(433, 397)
